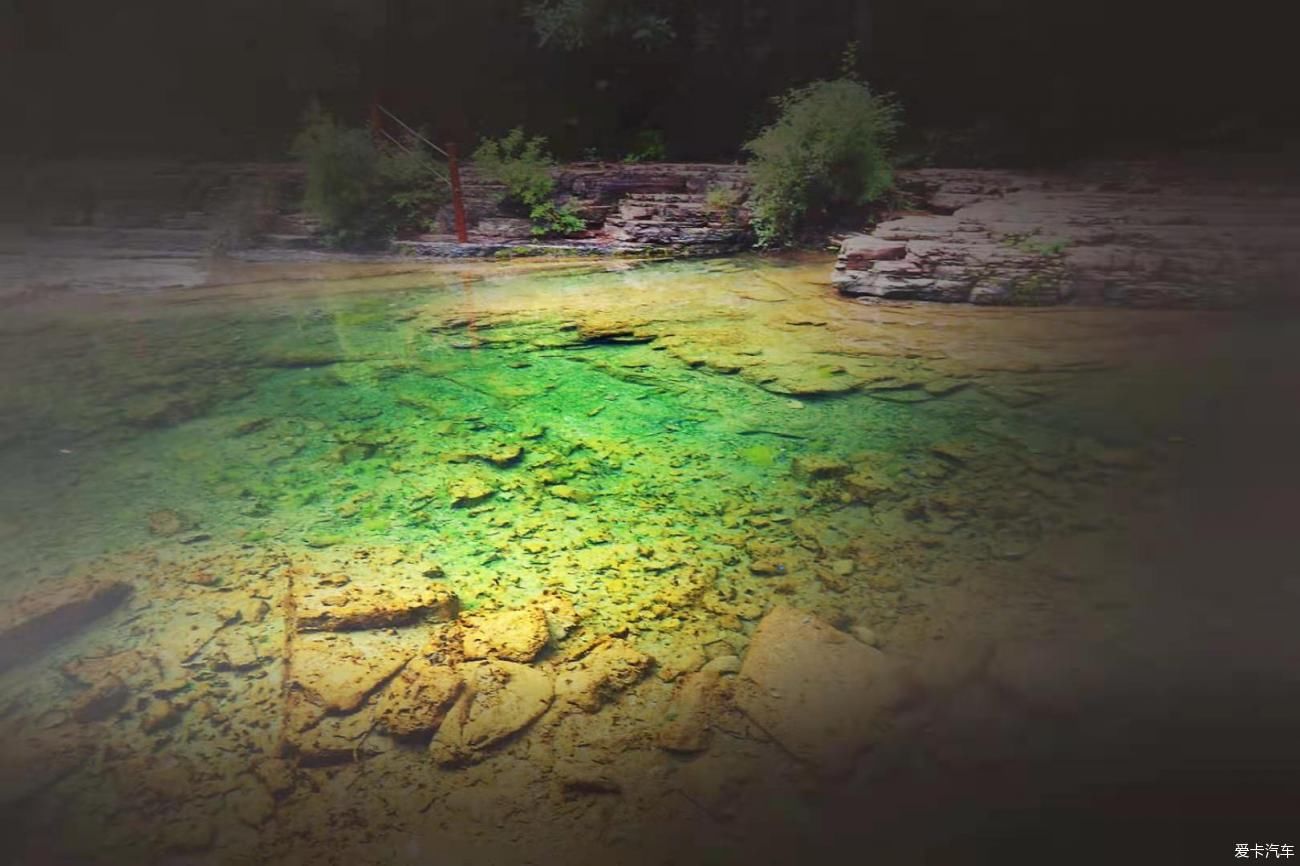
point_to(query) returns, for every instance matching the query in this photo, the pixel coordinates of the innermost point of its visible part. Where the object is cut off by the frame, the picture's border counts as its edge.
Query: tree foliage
(828, 149)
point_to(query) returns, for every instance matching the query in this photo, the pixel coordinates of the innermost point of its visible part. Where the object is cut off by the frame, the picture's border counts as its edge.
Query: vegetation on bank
(362, 192)
(828, 150)
(525, 166)
(827, 154)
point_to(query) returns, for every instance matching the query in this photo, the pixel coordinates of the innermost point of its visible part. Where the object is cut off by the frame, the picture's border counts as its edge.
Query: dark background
(982, 81)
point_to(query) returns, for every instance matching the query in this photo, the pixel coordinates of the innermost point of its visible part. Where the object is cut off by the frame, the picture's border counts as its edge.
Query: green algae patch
(762, 456)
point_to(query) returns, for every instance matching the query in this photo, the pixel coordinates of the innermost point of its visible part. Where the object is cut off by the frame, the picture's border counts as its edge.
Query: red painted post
(457, 201)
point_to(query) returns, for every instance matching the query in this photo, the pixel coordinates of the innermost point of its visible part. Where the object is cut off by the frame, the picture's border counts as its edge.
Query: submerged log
(41, 618)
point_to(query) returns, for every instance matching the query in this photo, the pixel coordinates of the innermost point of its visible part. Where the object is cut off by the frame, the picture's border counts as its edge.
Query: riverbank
(1187, 232)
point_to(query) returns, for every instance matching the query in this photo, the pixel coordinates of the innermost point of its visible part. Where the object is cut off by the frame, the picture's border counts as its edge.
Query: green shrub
(360, 192)
(524, 166)
(828, 149)
(550, 219)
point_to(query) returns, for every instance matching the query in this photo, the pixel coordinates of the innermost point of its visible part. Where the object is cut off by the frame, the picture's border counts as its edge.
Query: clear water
(664, 445)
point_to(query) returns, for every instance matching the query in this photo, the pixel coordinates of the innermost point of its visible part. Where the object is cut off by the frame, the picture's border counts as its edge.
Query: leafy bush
(524, 166)
(550, 219)
(360, 192)
(828, 149)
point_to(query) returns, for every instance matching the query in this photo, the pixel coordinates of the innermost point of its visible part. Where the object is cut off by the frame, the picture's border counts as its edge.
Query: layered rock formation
(1129, 234)
(685, 206)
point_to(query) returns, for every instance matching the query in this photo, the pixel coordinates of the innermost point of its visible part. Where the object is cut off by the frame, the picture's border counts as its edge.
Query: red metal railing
(451, 178)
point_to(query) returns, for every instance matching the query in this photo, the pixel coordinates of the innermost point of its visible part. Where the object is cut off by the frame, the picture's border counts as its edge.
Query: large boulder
(818, 692)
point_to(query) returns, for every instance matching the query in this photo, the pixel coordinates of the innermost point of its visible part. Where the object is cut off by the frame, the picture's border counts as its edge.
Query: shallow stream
(673, 448)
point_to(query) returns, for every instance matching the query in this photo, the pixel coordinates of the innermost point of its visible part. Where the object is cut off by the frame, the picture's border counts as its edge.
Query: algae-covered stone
(866, 485)
(469, 492)
(505, 455)
(569, 493)
(816, 466)
(500, 456)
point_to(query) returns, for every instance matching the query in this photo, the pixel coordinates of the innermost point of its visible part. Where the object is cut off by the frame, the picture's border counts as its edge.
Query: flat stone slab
(512, 635)
(39, 619)
(417, 701)
(367, 598)
(337, 673)
(500, 698)
(689, 714)
(858, 252)
(818, 692)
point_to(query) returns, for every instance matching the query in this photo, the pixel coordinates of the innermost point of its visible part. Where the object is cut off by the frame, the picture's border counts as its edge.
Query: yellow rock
(516, 635)
(418, 699)
(500, 698)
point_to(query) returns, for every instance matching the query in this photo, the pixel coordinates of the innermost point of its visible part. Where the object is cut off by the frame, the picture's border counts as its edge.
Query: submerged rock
(819, 466)
(499, 699)
(606, 670)
(167, 522)
(469, 492)
(368, 600)
(102, 700)
(687, 728)
(337, 674)
(818, 692)
(317, 741)
(500, 456)
(417, 701)
(513, 635)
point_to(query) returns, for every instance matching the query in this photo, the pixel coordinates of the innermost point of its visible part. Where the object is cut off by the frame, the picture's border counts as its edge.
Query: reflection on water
(293, 478)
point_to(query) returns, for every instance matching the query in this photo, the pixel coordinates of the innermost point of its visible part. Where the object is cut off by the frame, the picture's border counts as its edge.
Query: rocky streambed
(601, 563)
